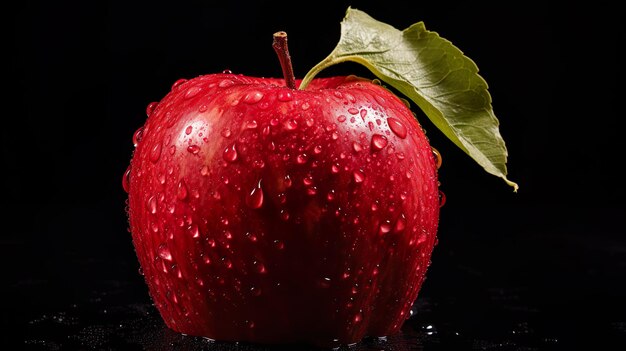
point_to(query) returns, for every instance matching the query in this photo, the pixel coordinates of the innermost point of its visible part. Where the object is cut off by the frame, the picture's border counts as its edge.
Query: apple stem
(280, 46)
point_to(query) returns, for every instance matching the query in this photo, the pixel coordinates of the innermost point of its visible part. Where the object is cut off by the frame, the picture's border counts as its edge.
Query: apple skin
(270, 215)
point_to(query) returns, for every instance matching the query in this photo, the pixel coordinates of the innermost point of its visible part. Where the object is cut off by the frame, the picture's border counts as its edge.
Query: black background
(548, 261)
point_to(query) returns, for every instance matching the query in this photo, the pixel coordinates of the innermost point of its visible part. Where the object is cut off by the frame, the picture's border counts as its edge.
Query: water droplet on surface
(181, 192)
(353, 110)
(356, 146)
(397, 127)
(226, 83)
(152, 204)
(178, 83)
(194, 231)
(255, 198)
(376, 81)
(191, 92)
(150, 108)
(137, 136)
(305, 106)
(291, 124)
(400, 224)
(230, 153)
(204, 170)
(358, 317)
(285, 95)
(317, 150)
(252, 124)
(226, 133)
(334, 168)
(331, 195)
(437, 156)
(363, 114)
(155, 153)
(253, 97)
(359, 176)
(301, 159)
(287, 181)
(385, 227)
(227, 71)
(194, 149)
(442, 198)
(126, 179)
(379, 142)
(188, 130)
(203, 108)
(164, 252)
(341, 118)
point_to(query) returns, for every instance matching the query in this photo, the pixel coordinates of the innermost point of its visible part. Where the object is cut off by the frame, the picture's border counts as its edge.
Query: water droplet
(317, 149)
(291, 124)
(358, 317)
(363, 114)
(331, 195)
(137, 136)
(194, 149)
(226, 83)
(285, 95)
(188, 130)
(181, 192)
(437, 156)
(191, 92)
(178, 83)
(203, 108)
(252, 124)
(341, 118)
(230, 153)
(334, 168)
(301, 159)
(226, 133)
(334, 135)
(155, 153)
(204, 170)
(126, 179)
(194, 231)
(253, 97)
(385, 227)
(400, 224)
(379, 142)
(338, 94)
(152, 204)
(356, 146)
(284, 215)
(311, 191)
(400, 155)
(442, 198)
(397, 127)
(305, 106)
(359, 176)
(227, 71)
(406, 102)
(279, 244)
(150, 108)
(255, 197)
(308, 180)
(164, 252)
(353, 110)
(376, 81)
(287, 181)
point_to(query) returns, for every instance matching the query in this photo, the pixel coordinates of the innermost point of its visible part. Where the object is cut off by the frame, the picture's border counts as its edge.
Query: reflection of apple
(267, 214)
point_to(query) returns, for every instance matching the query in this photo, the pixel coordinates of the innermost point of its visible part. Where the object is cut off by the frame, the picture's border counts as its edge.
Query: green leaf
(434, 74)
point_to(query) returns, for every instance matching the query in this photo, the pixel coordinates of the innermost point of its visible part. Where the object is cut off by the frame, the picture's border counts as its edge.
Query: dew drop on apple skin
(152, 204)
(137, 136)
(253, 97)
(230, 153)
(164, 252)
(358, 176)
(379, 142)
(178, 83)
(397, 127)
(254, 199)
(150, 108)
(181, 192)
(126, 179)
(194, 149)
(285, 96)
(155, 152)
(437, 156)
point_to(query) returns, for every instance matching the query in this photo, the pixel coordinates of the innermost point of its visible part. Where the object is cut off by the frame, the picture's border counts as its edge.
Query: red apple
(266, 214)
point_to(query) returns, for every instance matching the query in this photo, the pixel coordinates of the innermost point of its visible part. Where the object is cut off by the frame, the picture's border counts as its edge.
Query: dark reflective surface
(520, 291)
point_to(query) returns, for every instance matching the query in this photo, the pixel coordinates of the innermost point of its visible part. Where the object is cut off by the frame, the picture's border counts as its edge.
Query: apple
(265, 213)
